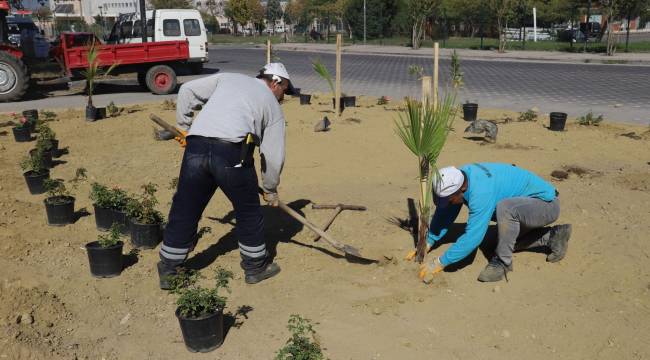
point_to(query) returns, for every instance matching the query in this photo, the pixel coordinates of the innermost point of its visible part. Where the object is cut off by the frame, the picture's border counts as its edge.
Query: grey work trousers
(521, 222)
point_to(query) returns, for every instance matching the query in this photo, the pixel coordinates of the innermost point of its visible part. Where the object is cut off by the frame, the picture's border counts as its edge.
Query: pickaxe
(339, 208)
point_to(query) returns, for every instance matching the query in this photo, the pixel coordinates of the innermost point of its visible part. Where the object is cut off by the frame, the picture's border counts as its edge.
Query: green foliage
(112, 238)
(590, 120)
(456, 73)
(424, 128)
(169, 104)
(93, 71)
(171, 4)
(383, 100)
(56, 188)
(20, 121)
(194, 300)
(104, 197)
(113, 110)
(379, 17)
(322, 71)
(303, 344)
(47, 115)
(418, 12)
(273, 11)
(45, 136)
(33, 162)
(528, 115)
(416, 70)
(173, 183)
(142, 208)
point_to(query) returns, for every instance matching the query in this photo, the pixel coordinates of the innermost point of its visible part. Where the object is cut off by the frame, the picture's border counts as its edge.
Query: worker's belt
(214, 140)
(247, 147)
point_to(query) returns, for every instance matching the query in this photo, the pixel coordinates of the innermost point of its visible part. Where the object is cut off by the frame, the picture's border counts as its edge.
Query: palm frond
(322, 71)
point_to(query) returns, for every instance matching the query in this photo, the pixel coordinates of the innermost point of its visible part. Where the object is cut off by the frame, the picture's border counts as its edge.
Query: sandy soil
(595, 304)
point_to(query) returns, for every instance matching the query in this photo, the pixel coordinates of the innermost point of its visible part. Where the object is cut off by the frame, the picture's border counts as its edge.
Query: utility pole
(143, 21)
(535, 24)
(587, 24)
(364, 22)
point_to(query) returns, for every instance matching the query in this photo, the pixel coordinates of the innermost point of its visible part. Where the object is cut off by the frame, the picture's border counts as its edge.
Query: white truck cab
(165, 25)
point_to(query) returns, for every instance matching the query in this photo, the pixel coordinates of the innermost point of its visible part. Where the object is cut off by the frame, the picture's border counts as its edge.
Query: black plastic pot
(60, 210)
(305, 99)
(22, 134)
(469, 111)
(105, 262)
(296, 92)
(101, 113)
(145, 236)
(121, 218)
(91, 113)
(558, 120)
(350, 101)
(46, 160)
(31, 114)
(55, 146)
(104, 217)
(35, 181)
(202, 334)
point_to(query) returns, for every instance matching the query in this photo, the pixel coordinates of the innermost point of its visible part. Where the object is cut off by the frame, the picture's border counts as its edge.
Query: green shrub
(33, 162)
(302, 345)
(194, 300)
(56, 189)
(111, 238)
(590, 120)
(45, 136)
(47, 116)
(106, 198)
(142, 208)
(528, 115)
(113, 110)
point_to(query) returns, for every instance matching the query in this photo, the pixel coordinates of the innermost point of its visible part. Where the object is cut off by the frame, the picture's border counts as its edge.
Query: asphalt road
(620, 92)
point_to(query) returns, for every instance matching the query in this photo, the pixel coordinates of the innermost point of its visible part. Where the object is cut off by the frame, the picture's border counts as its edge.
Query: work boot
(165, 272)
(558, 242)
(269, 271)
(494, 271)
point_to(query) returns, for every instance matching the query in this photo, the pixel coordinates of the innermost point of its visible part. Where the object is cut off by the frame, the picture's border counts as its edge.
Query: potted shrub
(92, 73)
(200, 310)
(105, 254)
(110, 206)
(45, 156)
(35, 173)
(145, 221)
(47, 137)
(59, 205)
(22, 132)
(302, 344)
(32, 119)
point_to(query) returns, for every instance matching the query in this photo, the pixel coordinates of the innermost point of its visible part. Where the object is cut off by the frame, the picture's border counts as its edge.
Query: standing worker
(519, 201)
(237, 113)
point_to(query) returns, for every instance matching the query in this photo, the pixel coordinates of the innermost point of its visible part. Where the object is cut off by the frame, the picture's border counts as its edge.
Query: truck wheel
(14, 78)
(161, 79)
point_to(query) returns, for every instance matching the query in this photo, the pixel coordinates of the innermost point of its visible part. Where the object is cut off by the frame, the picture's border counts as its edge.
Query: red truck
(154, 62)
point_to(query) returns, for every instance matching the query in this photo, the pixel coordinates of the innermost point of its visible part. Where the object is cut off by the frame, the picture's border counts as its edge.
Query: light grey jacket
(232, 106)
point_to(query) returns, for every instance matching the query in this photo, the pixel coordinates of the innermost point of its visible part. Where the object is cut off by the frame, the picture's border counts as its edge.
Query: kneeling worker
(236, 110)
(519, 201)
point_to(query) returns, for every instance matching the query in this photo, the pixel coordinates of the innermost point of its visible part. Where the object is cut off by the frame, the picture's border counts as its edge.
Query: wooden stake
(426, 89)
(268, 51)
(436, 57)
(337, 94)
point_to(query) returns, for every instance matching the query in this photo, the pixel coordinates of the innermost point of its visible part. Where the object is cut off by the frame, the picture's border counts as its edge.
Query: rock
(505, 334)
(322, 125)
(49, 324)
(535, 109)
(496, 289)
(560, 174)
(125, 319)
(618, 105)
(376, 311)
(25, 318)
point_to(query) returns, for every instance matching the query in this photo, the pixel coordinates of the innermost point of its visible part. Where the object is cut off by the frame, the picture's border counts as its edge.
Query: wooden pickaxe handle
(163, 124)
(329, 222)
(342, 206)
(294, 214)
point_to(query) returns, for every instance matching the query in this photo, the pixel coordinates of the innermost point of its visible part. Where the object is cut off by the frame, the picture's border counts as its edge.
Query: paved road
(620, 92)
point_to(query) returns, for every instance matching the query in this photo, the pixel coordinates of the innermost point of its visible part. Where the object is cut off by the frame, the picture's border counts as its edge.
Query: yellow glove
(411, 254)
(428, 270)
(181, 139)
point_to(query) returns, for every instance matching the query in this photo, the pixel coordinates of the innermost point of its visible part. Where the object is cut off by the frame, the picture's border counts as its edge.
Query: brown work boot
(558, 242)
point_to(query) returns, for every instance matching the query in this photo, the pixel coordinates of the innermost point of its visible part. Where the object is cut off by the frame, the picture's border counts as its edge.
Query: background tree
(379, 16)
(273, 13)
(171, 4)
(210, 21)
(502, 9)
(240, 12)
(257, 15)
(418, 13)
(610, 10)
(631, 9)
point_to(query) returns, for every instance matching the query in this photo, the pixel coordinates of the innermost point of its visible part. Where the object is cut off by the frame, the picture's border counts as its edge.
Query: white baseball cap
(446, 183)
(279, 73)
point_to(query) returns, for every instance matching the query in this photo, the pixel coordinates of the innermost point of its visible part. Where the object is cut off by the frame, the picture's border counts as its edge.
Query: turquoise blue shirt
(488, 184)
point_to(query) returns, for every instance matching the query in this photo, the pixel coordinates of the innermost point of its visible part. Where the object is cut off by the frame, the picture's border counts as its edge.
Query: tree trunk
(502, 37)
(627, 34)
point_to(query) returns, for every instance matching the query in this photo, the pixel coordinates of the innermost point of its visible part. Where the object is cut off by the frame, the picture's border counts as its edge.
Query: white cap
(448, 181)
(278, 71)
